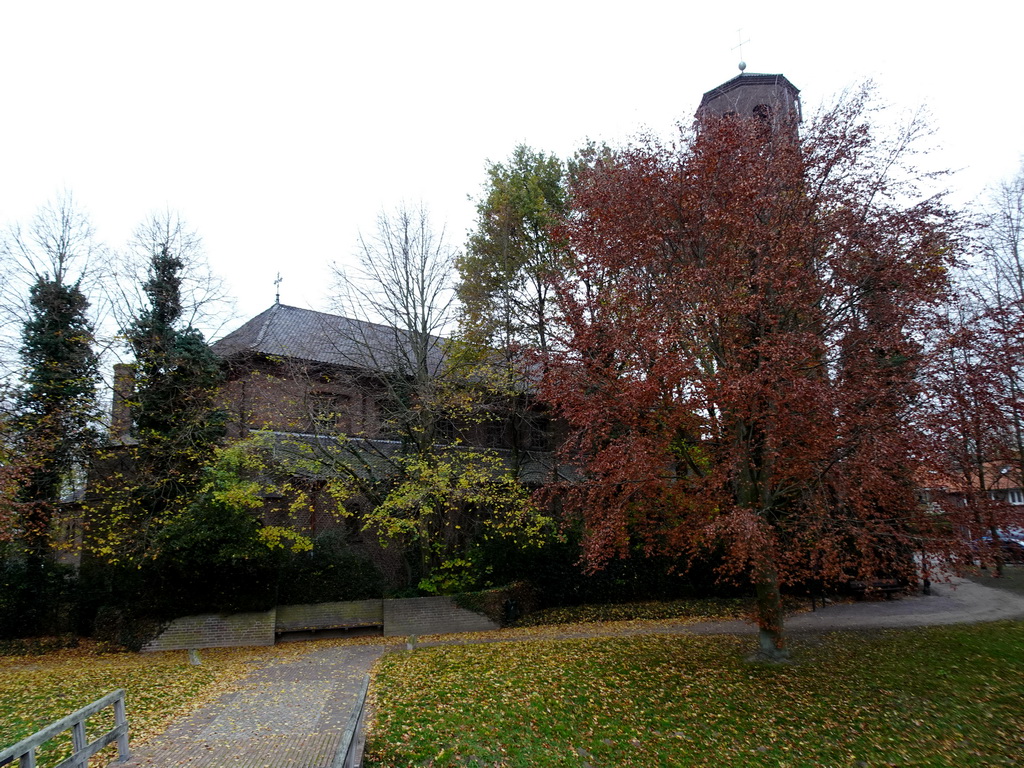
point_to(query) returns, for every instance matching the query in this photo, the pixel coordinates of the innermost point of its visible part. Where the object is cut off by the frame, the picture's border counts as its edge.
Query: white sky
(279, 130)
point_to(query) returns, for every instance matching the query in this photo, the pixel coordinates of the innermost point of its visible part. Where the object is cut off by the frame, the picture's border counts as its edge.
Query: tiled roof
(302, 334)
(749, 78)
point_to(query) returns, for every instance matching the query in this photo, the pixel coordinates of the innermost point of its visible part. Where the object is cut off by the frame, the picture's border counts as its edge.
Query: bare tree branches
(405, 278)
(1003, 240)
(58, 246)
(206, 303)
(403, 294)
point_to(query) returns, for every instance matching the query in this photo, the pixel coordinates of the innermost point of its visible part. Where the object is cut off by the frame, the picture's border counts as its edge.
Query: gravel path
(959, 602)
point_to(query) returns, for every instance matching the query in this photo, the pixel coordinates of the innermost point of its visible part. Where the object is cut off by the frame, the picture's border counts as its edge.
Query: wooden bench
(289, 628)
(888, 587)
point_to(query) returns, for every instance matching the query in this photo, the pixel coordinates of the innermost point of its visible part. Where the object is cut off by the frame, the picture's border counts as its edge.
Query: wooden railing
(25, 750)
(350, 748)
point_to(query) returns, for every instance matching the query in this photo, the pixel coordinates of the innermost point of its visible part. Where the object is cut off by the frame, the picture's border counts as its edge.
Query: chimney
(120, 411)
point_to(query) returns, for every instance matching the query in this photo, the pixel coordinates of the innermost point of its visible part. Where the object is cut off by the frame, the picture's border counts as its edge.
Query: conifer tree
(49, 266)
(506, 292)
(504, 287)
(175, 424)
(176, 376)
(57, 401)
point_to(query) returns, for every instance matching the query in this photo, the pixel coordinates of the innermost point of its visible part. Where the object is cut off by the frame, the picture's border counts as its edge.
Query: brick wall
(323, 615)
(413, 616)
(291, 396)
(215, 630)
(431, 616)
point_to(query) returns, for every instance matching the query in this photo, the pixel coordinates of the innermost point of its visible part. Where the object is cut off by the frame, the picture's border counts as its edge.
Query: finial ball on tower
(739, 47)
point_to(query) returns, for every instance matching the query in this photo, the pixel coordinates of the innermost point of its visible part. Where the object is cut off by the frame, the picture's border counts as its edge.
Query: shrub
(37, 597)
(332, 570)
(122, 628)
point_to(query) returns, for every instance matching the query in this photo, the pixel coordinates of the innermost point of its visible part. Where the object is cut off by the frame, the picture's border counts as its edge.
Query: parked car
(1012, 549)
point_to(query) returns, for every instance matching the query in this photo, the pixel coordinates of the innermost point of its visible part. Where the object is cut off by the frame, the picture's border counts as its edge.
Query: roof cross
(277, 283)
(739, 36)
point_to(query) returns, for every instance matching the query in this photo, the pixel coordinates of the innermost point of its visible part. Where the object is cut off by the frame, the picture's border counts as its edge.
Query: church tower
(767, 97)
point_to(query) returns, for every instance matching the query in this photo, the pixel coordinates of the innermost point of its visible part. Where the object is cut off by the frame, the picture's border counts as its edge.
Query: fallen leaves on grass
(606, 621)
(160, 687)
(705, 609)
(938, 696)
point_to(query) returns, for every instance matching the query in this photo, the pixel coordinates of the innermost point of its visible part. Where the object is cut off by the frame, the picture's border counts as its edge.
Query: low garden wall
(431, 616)
(214, 630)
(411, 616)
(355, 613)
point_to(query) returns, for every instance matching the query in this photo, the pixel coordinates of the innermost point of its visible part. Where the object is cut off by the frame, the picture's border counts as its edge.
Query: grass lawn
(937, 697)
(36, 690)
(700, 609)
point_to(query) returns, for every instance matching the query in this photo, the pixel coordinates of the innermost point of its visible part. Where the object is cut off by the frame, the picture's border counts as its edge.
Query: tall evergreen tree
(57, 401)
(506, 292)
(176, 377)
(50, 266)
(175, 424)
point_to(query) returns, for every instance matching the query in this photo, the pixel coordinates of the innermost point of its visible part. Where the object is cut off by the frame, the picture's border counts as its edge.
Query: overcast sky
(279, 130)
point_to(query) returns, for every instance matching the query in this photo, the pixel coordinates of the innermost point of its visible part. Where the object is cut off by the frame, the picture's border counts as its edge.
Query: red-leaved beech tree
(981, 377)
(745, 319)
(974, 407)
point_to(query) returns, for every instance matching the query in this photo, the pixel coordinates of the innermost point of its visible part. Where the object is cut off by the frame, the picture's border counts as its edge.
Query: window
(1013, 496)
(330, 412)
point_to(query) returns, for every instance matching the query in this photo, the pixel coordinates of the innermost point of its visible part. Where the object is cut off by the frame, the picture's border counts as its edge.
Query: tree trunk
(771, 640)
(998, 544)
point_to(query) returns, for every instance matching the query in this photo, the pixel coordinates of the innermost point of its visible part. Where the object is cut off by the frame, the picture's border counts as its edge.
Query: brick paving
(288, 714)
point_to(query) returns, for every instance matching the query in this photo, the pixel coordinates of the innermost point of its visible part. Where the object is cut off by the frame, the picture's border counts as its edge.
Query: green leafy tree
(506, 291)
(218, 553)
(504, 285)
(446, 503)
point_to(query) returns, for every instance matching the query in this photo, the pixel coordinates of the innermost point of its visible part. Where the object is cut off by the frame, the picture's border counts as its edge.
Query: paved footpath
(291, 714)
(957, 602)
(287, 714)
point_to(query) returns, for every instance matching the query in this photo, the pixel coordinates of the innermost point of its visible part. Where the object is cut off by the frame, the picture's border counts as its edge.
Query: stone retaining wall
(412, 616)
